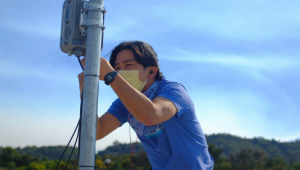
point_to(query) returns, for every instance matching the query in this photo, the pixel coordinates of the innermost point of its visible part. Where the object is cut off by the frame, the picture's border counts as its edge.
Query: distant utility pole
(82, 35)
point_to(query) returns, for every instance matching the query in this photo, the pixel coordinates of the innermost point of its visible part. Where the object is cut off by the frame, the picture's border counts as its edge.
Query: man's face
(126, 61)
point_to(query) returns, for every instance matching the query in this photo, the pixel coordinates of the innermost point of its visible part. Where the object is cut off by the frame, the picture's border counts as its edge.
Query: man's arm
(106, 124)
(146, 111)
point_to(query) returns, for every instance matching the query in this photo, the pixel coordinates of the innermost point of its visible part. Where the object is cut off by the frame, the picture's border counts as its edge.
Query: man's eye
(117, 69)
(128, 65)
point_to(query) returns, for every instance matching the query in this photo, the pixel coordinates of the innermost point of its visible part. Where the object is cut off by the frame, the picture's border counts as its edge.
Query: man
(160, 111)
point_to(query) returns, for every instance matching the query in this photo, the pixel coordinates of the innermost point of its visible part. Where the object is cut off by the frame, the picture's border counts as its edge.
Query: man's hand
(105, 67)
(81, 77)
(81, 81)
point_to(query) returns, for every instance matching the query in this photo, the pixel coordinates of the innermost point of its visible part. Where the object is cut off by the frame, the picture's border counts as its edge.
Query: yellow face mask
(132, 77)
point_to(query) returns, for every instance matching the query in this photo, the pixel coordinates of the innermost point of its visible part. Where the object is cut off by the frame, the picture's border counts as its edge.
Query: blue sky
(239, 61)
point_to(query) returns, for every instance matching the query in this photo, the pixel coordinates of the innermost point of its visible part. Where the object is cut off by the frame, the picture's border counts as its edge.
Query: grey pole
(91, 84)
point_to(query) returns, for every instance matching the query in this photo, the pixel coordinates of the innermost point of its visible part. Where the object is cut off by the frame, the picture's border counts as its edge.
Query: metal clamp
(84, 22)
(87, 6)
(93, 23)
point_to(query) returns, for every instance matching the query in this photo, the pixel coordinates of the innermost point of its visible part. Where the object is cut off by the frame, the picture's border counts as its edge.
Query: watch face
(110, 77)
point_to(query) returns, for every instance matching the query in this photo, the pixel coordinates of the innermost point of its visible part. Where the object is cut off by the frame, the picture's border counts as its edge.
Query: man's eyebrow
(125, 61)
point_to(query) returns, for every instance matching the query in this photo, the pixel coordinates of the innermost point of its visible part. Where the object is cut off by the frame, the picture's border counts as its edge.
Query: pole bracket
(87, 6)
(84, 22)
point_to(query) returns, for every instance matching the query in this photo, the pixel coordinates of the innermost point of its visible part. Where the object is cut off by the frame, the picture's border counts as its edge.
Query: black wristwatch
(109, 77)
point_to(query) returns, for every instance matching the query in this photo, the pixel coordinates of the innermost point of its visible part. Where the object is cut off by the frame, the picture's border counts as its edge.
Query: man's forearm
(136, 102)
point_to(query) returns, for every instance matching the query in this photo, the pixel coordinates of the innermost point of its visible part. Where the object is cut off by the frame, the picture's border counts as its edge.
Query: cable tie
(93, 75)
(87, 166)
(87, 23)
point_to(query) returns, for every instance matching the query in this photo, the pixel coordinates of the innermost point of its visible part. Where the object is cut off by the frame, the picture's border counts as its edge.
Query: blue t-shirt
(176, 144)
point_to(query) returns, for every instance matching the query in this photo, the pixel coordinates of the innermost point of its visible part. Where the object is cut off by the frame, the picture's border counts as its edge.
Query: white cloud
(266, 63)
(250, 20)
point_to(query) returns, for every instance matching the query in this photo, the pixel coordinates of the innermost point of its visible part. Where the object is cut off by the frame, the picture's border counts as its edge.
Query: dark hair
(143, 52)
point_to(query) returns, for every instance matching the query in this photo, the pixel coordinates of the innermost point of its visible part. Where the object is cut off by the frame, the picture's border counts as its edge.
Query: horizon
(112, 144)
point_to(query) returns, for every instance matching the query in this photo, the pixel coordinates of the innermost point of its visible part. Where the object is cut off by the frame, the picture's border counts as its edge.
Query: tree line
(11, 159)
(289, 151)
(229, 152)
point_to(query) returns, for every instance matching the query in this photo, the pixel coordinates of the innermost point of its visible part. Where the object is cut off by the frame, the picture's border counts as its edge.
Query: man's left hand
(105, 67)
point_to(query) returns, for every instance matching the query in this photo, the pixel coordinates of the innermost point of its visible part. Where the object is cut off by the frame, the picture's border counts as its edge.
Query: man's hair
(143, 52)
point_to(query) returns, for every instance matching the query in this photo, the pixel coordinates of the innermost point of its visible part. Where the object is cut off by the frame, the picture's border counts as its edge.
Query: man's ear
(153, 71)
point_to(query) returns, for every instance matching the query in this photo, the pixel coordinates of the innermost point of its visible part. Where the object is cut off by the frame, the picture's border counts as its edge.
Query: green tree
(115, 165)
(247, 159)
(49, 164)
(99, 164)
(215, 152)
(220, 162)
(296, 166)
(35, 166)
(11, 166)
(8, 157)
(25, 160)
(277, 164)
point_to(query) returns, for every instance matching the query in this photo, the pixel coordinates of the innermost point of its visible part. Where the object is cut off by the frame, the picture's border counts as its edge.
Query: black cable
(80, 118)
(78, 57)
(72, 151)
(67, 146)
(78, 132)
(78, 126)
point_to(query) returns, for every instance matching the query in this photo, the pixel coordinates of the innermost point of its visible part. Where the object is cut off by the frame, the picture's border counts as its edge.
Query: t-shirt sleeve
(118, 110)
(178, 95)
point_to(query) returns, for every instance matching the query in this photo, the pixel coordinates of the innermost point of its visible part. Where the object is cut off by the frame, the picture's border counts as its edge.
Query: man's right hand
(81, 77)
(81, 81)
(107, 122)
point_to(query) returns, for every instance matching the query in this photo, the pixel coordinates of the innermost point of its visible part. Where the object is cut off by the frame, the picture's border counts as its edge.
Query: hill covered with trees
(229, 152)
(289, 151)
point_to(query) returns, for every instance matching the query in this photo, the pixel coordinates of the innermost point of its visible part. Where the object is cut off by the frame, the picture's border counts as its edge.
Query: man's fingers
(81, 81)
(81, 75)
(83, 62)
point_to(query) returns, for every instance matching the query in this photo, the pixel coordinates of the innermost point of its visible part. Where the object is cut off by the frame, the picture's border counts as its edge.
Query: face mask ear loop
(147, 84)
(144, 69)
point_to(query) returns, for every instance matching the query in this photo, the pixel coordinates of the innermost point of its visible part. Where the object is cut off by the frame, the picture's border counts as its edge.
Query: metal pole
(91, 83)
